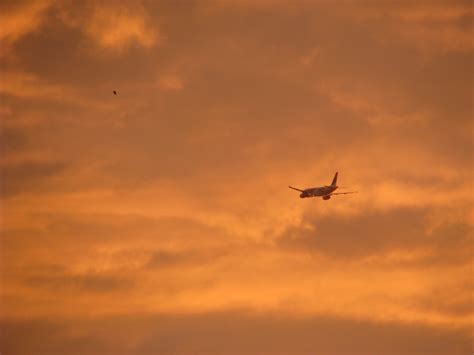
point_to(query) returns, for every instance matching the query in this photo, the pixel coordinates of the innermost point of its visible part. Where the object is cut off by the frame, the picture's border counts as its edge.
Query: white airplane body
(324, 191)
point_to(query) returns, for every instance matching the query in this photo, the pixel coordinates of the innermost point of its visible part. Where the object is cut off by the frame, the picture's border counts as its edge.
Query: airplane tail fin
(334, 181)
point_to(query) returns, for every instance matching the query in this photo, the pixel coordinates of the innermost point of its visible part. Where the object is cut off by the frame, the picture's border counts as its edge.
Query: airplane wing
(294, 188)
(343, 193)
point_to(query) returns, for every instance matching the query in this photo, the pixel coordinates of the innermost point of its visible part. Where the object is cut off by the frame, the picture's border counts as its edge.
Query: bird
(115, 92)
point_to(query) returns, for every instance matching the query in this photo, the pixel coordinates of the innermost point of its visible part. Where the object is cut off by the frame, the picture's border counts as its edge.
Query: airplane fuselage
(318, 191)
(324, 191)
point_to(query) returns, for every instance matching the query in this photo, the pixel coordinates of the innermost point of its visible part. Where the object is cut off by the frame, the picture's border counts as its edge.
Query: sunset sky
(159, 220)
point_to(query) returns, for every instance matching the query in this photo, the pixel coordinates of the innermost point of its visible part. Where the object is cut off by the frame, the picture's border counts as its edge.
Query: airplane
(324, 191)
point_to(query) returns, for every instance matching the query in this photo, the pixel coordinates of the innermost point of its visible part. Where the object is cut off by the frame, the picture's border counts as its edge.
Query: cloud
(20, 177)
(177, 186)
(20, 18)
(39, 91)
(27, 86)
(234, 332)
(161, 259)
(381, 233)
(115, 26)
(78, 283)
(451, 299)
(12, 139)
(118, 27)
(170, 83)
(121, 241)
(435, 25)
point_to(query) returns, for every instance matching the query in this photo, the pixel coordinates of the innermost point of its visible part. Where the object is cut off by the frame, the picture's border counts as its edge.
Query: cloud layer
(162, 213)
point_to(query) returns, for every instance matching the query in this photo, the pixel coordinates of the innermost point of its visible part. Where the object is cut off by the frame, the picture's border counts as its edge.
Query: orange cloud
(20, 19)
(431, 26)
(117, 27)
(112, 25)
(27, 85)
(170, 83)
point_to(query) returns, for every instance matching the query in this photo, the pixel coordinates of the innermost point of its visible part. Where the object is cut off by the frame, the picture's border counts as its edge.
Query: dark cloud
(452, 299)
(193, 257)
(12, 139)
(111, 226)
(356, 236)
(64, 47)
(27, 176)
(67, 234)
(376, 233)
(81, 283)
(228, 333)
(163, 259)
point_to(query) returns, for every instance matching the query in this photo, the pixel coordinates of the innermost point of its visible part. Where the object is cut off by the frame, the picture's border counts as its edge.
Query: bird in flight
(324, 191)
(115, 92)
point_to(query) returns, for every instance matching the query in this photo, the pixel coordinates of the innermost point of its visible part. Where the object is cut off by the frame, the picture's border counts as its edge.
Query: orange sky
(158, 221)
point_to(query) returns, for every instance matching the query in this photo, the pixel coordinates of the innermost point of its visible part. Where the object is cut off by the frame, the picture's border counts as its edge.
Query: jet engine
(326, 197)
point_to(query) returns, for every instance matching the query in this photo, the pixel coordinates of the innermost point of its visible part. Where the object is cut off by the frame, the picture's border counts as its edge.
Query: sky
(159, 221)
